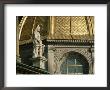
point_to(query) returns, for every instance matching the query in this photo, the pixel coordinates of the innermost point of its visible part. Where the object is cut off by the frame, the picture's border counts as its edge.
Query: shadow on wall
(26, 52)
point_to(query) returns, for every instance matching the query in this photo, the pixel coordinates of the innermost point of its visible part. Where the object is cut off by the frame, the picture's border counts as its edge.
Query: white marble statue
(37, 43)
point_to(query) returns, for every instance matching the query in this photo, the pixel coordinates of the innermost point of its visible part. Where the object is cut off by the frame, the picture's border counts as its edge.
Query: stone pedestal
(40, 62)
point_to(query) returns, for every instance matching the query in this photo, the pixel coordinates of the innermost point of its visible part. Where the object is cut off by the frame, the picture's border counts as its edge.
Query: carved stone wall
(59, 53)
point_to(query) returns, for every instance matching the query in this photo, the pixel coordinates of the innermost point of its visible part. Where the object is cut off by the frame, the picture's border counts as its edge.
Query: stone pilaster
(93, 60)
(51, 60)
(91, 64)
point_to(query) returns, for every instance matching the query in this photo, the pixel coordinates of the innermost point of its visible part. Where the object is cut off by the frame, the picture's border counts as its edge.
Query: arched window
(75, 63)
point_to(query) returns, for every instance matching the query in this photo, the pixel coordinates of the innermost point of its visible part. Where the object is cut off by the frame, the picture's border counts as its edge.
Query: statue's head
(38, 28)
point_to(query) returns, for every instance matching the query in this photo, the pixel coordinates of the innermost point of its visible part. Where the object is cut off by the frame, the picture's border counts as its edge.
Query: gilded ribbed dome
(72, 27)
(28, 24)
(56, 27)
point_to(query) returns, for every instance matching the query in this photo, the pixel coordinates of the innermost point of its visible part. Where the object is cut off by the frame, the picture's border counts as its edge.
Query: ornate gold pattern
(63, 27)
(90, 20)
(73, 27)
(78, 26)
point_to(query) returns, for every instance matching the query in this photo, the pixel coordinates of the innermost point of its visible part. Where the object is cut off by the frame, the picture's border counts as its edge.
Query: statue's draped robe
(37, 44)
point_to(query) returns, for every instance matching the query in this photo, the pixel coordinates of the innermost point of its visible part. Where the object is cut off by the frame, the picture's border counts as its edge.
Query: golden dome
(72, 27)
(56, 27)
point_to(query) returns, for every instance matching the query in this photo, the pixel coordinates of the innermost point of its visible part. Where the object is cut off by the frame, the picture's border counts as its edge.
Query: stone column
(91, 64)
(51, 60)
(93, 61)
(58, 68)
(90, 68)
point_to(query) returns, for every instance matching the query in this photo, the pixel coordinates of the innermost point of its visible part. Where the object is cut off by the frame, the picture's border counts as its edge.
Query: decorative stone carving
(57, 55)
(37, 52)
(61, 51)
(39, 60)
(51, 63)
